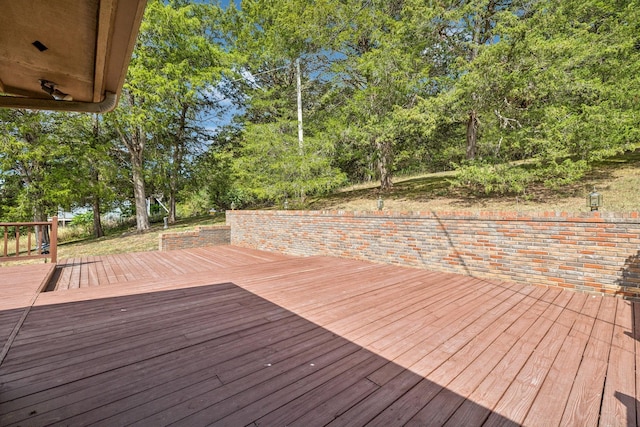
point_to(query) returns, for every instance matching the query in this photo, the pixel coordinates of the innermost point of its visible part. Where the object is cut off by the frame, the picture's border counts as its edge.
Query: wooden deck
(234, 337)
(19, 288)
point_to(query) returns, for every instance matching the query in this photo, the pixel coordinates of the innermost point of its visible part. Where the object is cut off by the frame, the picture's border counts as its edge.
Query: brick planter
(588, 252)
(200, 237)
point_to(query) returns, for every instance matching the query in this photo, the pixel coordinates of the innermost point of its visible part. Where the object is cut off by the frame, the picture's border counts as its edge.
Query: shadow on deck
(211, 354)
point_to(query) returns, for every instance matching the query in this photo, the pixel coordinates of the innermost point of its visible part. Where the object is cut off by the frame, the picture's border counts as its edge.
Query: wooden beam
(126, 27)
(106, 18)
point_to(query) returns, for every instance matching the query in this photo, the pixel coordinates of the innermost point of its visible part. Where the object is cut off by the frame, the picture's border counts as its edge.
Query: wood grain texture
(234, 336)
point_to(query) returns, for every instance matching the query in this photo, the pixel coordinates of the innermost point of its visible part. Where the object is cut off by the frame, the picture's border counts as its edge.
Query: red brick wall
(201, 237)
(589, 252)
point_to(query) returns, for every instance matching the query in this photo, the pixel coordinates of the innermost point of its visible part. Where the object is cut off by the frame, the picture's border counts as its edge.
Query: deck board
(19, 288)
(619, 401)
(235, 336)
(519, 397)
(520, 344)
(584, 403)
(549, 404)
(475, 361)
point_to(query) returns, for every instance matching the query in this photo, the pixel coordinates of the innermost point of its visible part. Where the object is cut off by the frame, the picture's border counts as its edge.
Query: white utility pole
(300, 132)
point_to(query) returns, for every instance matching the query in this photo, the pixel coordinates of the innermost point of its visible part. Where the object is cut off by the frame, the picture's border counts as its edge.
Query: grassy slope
(130, 240)
(618, 179)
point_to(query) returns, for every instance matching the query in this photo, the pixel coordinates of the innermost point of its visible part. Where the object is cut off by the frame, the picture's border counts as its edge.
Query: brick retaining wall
(202, 236)
(589, 252)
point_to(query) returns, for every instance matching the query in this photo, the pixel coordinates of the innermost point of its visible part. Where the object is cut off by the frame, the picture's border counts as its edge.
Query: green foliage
(84, 219)
(36, 166)
(237, 197)
(273, 166)
(556, 87)
(499, 179)
(555, 175)
(196, 203)
(212, 182)
(508, 178)
(75, 232)
(81, 225)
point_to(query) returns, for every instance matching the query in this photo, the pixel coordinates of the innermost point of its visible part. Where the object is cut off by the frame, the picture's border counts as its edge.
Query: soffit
(80, 48)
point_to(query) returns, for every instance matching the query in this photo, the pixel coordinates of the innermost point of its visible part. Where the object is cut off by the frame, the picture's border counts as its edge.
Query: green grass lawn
(129, 240)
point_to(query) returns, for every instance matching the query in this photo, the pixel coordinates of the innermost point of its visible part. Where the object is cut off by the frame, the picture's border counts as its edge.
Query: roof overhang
(66, 55)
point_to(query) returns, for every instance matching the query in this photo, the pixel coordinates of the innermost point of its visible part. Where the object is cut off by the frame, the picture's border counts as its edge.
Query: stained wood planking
(19, 288)
(549, 405)
(585, 400)
(490, 345)
(619, 401)
(520, 344)
(235, 336)
(471, 342)
(518, 398)
(19, 284)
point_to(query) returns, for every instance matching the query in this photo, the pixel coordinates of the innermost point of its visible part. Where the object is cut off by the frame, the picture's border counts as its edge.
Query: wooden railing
(26, 240)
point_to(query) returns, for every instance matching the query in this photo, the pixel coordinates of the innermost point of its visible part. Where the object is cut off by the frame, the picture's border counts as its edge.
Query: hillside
(617, 179)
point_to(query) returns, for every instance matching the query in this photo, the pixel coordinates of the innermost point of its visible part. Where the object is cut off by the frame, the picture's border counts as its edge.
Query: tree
(379, 71)
(269, 39)
(211, 183)
(559, 88)
(96, 181)
(76, 131)
(133, 123)
(175, 64)
(271, 166)
(35, 163)
(189, 63)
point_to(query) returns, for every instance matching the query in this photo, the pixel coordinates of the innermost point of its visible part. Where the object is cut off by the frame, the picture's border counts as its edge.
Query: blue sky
(225, 3)
(209, 121)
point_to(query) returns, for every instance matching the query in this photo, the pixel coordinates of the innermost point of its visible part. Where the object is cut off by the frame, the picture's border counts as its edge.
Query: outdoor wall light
(594, 200)
(286, 205)
(50, 88)
(380, 203)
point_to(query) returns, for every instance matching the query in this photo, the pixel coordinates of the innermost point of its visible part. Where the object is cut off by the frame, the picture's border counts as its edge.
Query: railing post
(53, 240)
(17, 234)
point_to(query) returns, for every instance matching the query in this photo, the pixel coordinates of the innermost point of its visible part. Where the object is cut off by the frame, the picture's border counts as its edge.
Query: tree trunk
(98, 231)
(172, 208)
(136, 147)
(142, 216)
(481, 34)
(95, 205)
(40, 216)
(173, 182)
(472, 134)
(135, 142)
(173, 190)
(178, 155)
(384, 164)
